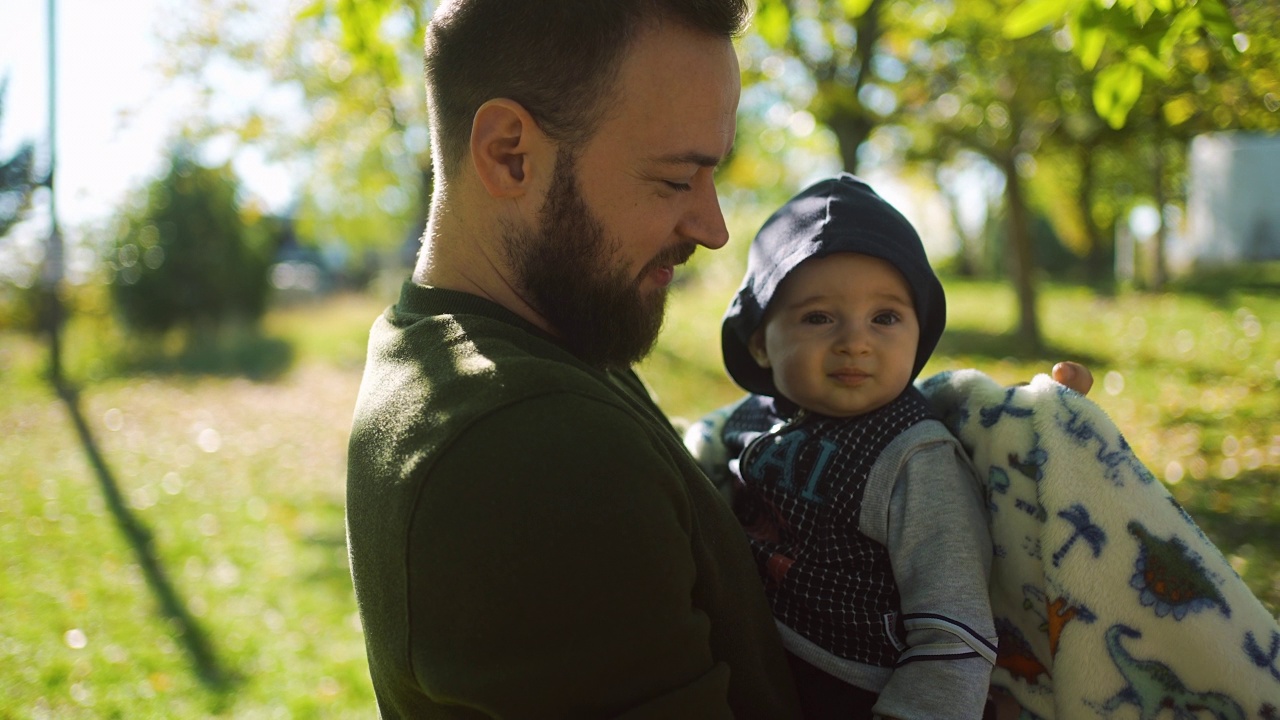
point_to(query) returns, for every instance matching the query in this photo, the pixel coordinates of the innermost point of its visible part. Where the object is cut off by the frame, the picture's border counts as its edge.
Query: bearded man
(528, 536)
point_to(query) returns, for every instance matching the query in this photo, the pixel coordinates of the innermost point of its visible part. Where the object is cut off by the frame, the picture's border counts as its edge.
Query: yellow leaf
(773, 22)
(314, 10)
(1179, 110)
(854, 9)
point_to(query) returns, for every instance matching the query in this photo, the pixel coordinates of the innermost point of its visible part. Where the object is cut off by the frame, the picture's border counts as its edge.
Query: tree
(20, 303)
(17, 179)
(837, 42)
(1211, 88)
(186, 258)
(1207, 66)
(355, 127)
(968, 89)
(1126, 40)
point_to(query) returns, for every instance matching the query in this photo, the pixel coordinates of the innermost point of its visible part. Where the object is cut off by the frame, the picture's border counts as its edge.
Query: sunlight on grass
(241, 482)
(1193, 381)
(242, 485)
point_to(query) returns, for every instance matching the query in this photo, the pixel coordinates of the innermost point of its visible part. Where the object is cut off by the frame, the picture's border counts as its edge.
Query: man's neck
(468, 258)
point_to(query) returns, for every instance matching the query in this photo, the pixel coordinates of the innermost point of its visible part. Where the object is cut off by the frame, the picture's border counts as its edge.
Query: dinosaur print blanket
(1108, 599)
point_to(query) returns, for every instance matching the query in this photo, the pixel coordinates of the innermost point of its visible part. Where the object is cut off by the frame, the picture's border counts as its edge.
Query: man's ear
(507, 148)
(755, 345)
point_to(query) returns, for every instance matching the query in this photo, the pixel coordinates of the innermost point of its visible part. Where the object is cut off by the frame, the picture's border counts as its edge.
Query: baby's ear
(755, 345)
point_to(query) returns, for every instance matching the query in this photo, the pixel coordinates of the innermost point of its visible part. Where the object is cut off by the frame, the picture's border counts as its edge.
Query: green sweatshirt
(529, 538)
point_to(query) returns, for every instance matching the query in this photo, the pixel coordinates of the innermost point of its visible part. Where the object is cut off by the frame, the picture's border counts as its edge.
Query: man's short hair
(558, 59)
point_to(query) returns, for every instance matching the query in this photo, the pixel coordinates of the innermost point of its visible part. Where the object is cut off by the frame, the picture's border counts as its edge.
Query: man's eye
(682, 187)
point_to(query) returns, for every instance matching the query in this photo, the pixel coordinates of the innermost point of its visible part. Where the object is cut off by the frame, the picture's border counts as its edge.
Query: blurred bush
(189, 258)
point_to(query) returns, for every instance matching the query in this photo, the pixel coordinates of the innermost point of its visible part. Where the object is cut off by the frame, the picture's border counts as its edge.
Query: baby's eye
(815, 318)
(887, 318)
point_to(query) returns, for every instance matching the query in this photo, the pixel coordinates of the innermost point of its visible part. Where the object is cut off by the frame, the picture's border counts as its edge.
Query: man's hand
(1073, 375)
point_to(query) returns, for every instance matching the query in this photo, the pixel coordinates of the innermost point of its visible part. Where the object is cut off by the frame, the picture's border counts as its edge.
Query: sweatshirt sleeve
(551, 572)
(939, 546)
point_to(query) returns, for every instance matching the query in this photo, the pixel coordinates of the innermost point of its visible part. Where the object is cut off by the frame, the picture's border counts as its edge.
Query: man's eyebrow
(689, 158)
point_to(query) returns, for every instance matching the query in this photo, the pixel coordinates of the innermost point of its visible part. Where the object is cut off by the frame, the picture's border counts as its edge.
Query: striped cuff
(972, 645)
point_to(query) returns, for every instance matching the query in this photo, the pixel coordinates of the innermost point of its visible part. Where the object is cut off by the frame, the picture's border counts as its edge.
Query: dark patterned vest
(798, 493)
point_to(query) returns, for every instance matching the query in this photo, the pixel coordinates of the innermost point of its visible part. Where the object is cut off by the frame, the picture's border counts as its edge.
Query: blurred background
(205, 203)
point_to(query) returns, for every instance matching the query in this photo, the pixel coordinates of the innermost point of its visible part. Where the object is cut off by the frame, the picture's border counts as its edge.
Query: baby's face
(840, 335)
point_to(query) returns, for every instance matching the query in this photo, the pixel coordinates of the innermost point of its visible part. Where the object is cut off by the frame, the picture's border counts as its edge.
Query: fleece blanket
(1108, 599)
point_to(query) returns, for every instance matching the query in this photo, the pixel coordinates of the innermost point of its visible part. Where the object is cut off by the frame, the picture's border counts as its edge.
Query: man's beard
(564, 270)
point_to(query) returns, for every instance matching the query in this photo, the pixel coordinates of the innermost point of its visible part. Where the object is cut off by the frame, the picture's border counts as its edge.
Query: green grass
(238, 473)
(240, 482)
(1192, 379)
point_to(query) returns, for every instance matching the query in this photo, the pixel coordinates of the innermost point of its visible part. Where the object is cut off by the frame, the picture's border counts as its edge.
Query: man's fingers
(1074, 375)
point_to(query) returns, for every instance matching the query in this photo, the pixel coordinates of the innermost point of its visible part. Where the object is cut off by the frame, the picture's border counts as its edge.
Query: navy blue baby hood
(840, 214)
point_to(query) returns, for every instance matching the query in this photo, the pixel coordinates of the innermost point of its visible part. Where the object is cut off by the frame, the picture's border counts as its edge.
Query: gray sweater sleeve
(925, 504)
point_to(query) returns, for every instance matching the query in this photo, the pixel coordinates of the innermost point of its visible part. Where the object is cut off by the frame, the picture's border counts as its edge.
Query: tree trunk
(1100, 266)
(853, 124)
(1021, 257)
(851, 130)
(967, 257)
(1159, 274)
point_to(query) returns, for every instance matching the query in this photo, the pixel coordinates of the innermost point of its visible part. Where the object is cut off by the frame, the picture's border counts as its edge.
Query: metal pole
(53, 261)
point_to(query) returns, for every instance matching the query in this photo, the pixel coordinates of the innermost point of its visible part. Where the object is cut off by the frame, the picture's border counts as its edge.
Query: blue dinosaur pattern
(1154, 687)
(1171, 577)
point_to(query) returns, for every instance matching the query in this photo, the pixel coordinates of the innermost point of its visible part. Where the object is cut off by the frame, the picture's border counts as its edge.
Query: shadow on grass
(237, 352)
(1230, 530)
(191, 635)
(971, 343)
(1220, 286)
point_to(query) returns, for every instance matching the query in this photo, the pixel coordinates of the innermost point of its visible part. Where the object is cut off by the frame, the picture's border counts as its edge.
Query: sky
(115, 111)
(113, 114)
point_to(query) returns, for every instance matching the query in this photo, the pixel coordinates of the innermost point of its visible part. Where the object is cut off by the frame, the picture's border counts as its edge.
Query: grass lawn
(233, 455)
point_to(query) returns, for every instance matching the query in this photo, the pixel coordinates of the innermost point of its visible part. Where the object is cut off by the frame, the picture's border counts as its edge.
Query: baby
(862, 510)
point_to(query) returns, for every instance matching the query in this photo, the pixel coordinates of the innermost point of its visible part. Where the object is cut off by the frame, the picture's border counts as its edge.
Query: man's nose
(703, 223)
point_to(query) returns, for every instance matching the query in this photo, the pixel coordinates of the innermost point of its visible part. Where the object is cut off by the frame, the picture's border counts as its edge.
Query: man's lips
(663, 275)
(663, 268)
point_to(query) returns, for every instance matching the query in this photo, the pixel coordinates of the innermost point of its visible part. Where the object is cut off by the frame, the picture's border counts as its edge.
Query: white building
(1233, 202)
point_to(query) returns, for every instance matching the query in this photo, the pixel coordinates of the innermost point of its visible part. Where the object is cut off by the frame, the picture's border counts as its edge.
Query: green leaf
(314, 10)
(1143, 58)
(361, 25)
(1089, 46)
(1164, 6)
(1217, 20)
(773, 22)
(1032, 15)
(1184, 22)
(1142, 11)
(1116, 92)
